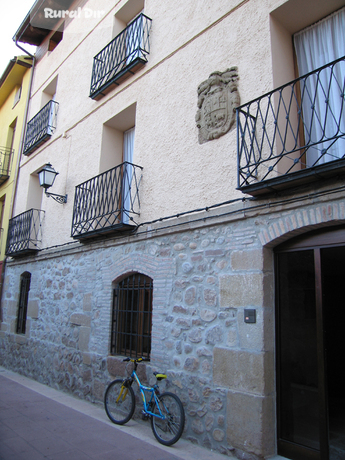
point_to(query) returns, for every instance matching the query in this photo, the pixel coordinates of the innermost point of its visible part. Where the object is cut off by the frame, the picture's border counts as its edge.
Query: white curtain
(128, 148)
(323, 115)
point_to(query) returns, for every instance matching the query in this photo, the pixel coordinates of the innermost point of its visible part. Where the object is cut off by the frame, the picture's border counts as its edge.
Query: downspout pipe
(23, 133)
(25, 51)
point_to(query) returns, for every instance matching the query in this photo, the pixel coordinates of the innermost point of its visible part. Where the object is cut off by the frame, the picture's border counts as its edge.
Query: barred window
(25, 280)
(132, 317)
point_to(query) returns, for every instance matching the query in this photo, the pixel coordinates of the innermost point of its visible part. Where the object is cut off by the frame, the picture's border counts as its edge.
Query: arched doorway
(310, 325)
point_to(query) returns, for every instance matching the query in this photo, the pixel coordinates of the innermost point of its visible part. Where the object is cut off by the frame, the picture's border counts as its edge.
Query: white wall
(189, 40)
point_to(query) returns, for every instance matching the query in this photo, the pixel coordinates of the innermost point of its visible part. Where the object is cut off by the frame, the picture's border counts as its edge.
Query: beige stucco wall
(188, 41)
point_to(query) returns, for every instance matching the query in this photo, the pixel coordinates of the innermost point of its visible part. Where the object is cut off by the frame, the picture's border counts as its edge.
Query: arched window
(25, 279)
(132, 316)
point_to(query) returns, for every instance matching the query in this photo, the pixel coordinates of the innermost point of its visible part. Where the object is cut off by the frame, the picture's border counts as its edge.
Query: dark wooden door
(310, 275)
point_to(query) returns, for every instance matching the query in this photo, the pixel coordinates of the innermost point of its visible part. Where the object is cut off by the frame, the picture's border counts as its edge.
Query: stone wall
(205, 273)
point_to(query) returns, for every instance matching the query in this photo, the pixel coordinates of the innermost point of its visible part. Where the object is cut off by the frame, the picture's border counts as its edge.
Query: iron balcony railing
(122, 57)
(290, 133)
(40, 127)
(107, 203)
(24, 233)
(6, 157)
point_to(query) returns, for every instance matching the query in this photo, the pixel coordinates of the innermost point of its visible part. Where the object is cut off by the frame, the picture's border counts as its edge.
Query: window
(317, 46)
(35, 192)
(6, 155)
(17, 96)
(312, 136)
(126, 18)
(132, 316)
(118, 147)
(23, 302)
(49, 94)
(126, 14)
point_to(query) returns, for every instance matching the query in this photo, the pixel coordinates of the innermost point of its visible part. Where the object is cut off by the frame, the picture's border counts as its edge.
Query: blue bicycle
(165, 410)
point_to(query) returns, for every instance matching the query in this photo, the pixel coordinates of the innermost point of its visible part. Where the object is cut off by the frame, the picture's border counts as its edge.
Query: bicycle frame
(154, 391)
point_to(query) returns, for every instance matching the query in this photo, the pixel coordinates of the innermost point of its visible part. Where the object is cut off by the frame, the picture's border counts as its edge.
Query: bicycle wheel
(168, 430)
(119, 402)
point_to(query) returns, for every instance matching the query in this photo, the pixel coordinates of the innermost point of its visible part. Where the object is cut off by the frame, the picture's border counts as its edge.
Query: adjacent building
(14, 90)
(197, 217)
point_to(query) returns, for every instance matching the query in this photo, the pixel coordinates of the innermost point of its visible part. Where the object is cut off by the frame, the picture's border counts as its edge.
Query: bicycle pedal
(144, 415)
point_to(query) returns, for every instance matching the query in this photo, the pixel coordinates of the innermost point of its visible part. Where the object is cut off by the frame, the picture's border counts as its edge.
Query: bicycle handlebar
(136, 360)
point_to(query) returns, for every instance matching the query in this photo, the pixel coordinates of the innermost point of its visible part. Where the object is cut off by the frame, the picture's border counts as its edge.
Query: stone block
(210, 297)
(207, 315)
(241, 290)
(11, 306)
(268, 289)
(13, 325)
(116, 367)
(20, 339)
(247, 260)
(241, 370)
(98, 390)
(33, 309)
(250, 423)
(87, 359)
(87, 302)
(84, 338)
(190, 295)
(191, 364)
(268, 328)
(79, 319)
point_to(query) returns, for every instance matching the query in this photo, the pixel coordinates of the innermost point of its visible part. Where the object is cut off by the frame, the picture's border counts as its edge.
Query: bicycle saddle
(159, 376)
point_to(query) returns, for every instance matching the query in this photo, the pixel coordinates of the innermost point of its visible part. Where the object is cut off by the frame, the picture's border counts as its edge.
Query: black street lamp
(47, 177)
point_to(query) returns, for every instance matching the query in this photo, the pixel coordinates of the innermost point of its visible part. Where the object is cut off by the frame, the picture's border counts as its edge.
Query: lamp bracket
(62, 199)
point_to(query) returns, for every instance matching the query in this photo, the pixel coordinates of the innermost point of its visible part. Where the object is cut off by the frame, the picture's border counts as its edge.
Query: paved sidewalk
(38, 422)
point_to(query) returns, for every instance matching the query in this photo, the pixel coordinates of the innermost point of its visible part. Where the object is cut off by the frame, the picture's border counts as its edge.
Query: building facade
(14, 90)
(200, 214)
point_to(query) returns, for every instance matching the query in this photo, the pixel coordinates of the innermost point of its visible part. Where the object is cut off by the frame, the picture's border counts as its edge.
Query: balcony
(24, 233)
(295, 134)
(107, 203)
(122, 57)
(40, 128)
(6, 156)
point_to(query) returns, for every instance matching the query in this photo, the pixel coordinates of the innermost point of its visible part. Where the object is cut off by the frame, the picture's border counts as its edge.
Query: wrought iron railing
(40, 127)
(107, 202)
(24, 233)
(292, 130)
(6, 158)
(124, 55)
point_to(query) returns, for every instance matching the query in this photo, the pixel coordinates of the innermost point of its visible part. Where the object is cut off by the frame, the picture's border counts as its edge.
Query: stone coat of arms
(218, 98)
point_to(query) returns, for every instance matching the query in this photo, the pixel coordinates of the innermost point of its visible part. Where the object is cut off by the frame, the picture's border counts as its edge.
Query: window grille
(132, 317)
(25, 280)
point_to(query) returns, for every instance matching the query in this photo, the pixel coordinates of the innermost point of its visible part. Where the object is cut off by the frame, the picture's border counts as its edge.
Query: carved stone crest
(218, 98)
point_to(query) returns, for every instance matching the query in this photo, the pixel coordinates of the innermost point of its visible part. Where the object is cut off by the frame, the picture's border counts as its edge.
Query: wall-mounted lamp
(47, 177)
